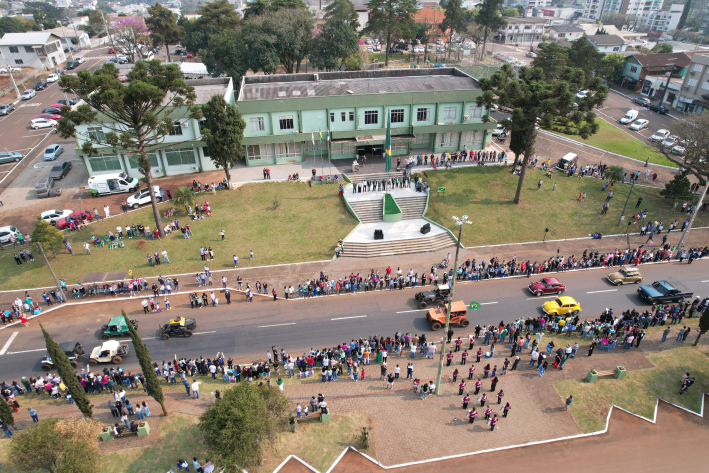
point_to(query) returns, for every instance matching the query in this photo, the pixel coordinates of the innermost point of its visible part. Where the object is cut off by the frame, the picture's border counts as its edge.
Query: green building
(431, 110)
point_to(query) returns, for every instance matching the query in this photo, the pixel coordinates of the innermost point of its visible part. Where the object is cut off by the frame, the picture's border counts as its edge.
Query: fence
(10, 89)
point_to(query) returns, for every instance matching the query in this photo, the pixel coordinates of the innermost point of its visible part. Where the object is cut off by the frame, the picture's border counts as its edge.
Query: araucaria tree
(488, 19)
(163, 27)
(67, 374)
(142, 112)
(336, 42)
(146, 364)
(223, 131)
(392, 18)
(237, 429)
(533, 97)
(343, 10)
(128, 32)
(454, 22)
(703, 325)
(6, 413)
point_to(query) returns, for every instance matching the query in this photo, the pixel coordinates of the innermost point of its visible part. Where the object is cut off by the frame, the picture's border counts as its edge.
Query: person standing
(506, 409)
(107, 211)
(466, 400)
(493, 423)
(569, 400)
(472, 414)
(33, 414)
(195, 388)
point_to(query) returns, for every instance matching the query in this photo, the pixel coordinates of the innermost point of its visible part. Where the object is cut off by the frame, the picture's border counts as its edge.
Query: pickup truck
(663, 291)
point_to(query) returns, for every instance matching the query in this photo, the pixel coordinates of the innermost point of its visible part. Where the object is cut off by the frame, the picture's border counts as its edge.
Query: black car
(60, 170)
(441, 293)
(180, 327)
(41, 85)
(73, 350)
(52, 110)
(71, 101)
(72, 64)
(6, 108)
(659, 109)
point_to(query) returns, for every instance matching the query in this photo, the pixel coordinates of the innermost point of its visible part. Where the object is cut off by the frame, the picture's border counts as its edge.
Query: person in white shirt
(195, 388)
(107, 211)
(213, 370)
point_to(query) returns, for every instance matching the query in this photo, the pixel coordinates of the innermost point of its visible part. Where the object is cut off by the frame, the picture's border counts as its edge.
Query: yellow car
(562, 305)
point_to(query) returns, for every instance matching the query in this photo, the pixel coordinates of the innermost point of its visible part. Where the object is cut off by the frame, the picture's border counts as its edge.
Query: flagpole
(329, 161)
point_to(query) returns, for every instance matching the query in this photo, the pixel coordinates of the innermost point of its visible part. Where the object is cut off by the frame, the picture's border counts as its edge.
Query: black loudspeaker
(378, 234)
(426, 228)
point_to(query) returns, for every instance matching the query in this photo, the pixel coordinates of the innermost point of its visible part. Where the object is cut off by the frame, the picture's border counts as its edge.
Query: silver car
(9, 156)
(53, 152)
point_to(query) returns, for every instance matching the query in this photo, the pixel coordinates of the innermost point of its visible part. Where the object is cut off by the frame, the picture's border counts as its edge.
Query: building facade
(595, 9)
(184, 151)
(694, 94)
(607, 43)
(431, 110)
(40, 50)
(661, 20)
(522, 31)
(648, 73)
(567, 32)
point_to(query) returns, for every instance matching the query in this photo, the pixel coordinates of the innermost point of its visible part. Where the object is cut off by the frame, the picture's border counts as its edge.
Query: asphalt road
(247, 331)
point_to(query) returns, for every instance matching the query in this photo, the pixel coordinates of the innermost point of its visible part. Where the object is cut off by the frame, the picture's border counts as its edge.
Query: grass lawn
(486, 195)
(304, 226)
(639, 390)
(613, 140)
(381, 56)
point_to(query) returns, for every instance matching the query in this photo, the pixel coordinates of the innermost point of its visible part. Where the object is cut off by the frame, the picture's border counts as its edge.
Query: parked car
(72, 64)
(41, 85)
(52, 110)
(44, 188)
(5, 70)
(60, 170)
(679, 150)
(52, 152)
(80, 215)
(546, 286)
(499, 130)
(42, 123)
(49, 116)
(9, 157)
(80, 59)
(70, 103)
(28, 94)
(531, 54)
(629, 117)
(659, 135)
(110, 51)
(6, 108)
(641, 101)
(52, 216)
(626, 275)
(52, 78)
(659, 109)
(6, 232)
(582, 94)
(143, 197)
(639, 125)
(669, 142)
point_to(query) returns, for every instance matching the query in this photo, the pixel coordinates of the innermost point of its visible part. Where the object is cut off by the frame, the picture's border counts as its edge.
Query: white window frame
(705, 85)
(343, 148)
(472, 137)
(259, 151)
(448, 140)
(422, 139)
(96, 134)
(286, 122)
(176, 129)
(692, 82)
(186, 157)
(369, 114)
(449, 113)
(289, 149)
(697, 68)
(257, 124)
(399, 112)
(475, 112)
(425, 111)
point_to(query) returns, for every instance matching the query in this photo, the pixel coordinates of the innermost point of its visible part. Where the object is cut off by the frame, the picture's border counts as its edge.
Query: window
(692, 82)
(180, 157)
(257, 124)
(96, 134)
(200, 124)
(471, 138)
(633, 69)
(423, 114)
(50, 48)
(332, 117)
(475, 112)
(371, 117)
(351, 116)
(697, 68)
(309, 146)
(288, 150)
(19, 61)
(343, 116)
(259, 151)
(449, 113)
(422, 139)
(705, 85)
(399, 145)
(285, 122)
(29, 49)
(397, 116)
(348, 147)
(13, 49)
(617, 48)
(105, 163)
(176, 130)
(448, 140)
(133, 161)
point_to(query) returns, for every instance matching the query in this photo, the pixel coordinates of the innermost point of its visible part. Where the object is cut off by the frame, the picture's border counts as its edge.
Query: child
(167, 304)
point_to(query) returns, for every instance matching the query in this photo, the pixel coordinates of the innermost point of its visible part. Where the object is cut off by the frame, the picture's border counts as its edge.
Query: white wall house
(568, 32)
(607, 43)
(39, 49)
(661, 20)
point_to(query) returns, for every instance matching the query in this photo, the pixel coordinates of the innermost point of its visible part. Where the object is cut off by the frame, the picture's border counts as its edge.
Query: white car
(28, 94)
(639, 124)
(582, 94)
(659, 135)
(142, 197)
(669, 142)
(5, 233)
(42, 123)
(9, 69)
(499, 130)
(55, 214)
(629, 117)
(531, 54)
(52, 78)
(80, 59)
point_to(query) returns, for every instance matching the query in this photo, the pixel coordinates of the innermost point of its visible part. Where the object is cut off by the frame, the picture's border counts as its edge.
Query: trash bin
(620, 372)
(106, 434)
(143, 428)
(324, 417)
(355, 166)
(592, 376)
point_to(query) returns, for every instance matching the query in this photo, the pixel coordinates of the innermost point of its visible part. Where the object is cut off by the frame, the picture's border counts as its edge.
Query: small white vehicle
(639, 125)
(629, 117)
(669, 142)
(582, 94)
(55, 214)
(6, 232)
(5, 70)
(112, 183)
(80, 59)
(679, 150)
(659, 135)
(42, 123)
(111, 351)
(28, 94)
(142, 197)
(499, 130)
(52, 78)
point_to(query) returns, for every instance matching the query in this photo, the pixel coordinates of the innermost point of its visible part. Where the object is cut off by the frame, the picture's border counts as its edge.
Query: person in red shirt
(463, 357)
(478, 385)
(479, 354)
(471, 371)
(483, 400)
(472, 414)
(493, 423)
(488, 411)
(455, 375)
(458, 343)
(461, 387)
(506, 409)
(500, 395)
(449, 358)
(466, 400)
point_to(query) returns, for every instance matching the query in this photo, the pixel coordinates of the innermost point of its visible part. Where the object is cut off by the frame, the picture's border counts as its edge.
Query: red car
(49, 116)
(57, 105)
(111, 51)
(79, 214)
(546, 286)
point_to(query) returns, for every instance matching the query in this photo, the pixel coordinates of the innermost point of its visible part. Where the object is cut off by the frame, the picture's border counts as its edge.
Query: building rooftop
(566, 29)
(660, 61)
(37, 38)
(606, 39)
(524, 19)
(325, 84)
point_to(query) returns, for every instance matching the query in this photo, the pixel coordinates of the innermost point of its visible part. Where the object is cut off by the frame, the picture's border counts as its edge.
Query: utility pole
(110, 38)
(685, 234)
(56, 281)
(460, 223)
(17, 92)
(626, 202)
(67, 41)
(77, 34)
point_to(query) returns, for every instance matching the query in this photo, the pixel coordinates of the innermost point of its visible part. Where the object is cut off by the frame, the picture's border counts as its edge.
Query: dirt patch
(94, 277)
(141, 244)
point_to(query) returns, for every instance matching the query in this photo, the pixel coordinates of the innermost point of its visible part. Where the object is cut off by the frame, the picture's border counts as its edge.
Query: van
(6, 232)
(113, 183)
(569, 159)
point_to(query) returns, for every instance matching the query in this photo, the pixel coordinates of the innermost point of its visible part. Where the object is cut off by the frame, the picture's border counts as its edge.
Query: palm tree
(184, 197)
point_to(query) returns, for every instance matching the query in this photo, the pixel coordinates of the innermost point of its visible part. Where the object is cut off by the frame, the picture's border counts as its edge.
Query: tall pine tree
(6, 413)
(66, 372)
(146, 364)
(685, 14)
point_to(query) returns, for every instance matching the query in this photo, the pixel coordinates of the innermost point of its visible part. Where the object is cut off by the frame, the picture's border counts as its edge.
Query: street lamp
(460, 223)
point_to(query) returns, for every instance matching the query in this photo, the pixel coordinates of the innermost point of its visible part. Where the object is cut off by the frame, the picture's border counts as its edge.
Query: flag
(312, 137)
(474, 305)
(387, 146)
(320, 133)
(328, 135)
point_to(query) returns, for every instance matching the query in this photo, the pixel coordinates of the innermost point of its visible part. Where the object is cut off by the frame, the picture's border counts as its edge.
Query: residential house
(188, 154)
(38, 49)
(430, 110)
(66, 33)
(568, 32)
(522, 31)
(595, 9)
(607, 43)
(694, 95)
(535, 3)
(85, 5)
(648, 73)
(662, 20)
